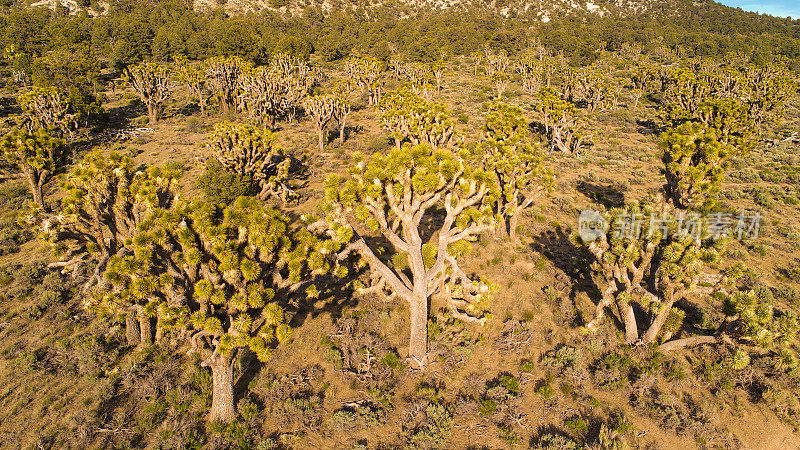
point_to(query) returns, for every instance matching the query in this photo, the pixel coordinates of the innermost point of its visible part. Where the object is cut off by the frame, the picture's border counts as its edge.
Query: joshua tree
(197, 83)
(343, 108)
(531, 69)
(224, 74)
(219, 275)
(515, 163)
(46, 108)
(276, 90)
(153, 84)
(695, 160)
(437, 68)
(654, 269)
(321, 109)
(500, 81)
(366, 73)
(106, 200)
(395, 194)
(37, 155)
(251, 151)
(561, 123)
(407, 116)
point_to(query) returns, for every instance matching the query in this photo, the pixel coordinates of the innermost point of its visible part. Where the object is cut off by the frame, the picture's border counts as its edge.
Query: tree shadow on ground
(610, 196)
(574, 260)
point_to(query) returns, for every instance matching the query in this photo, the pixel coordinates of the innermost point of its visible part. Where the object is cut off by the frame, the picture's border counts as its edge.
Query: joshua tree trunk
(652, 332)
(419, 329)
(512, 227)
(132, 328)
(36, 189)
(152, 113)
(321, 137)
(222, 402)
(631, 330)
(342, 128)
(144, 328)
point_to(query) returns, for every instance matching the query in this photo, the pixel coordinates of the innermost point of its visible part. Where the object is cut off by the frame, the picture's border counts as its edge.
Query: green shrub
(222, 186)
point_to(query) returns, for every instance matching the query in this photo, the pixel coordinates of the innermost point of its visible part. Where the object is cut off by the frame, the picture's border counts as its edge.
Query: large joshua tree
(515, 163)
(106, 200)
(37, 155)
(219, 273)
(397, 195)
(654, 269)
(47, 108)
(153, 83)
(251, 151)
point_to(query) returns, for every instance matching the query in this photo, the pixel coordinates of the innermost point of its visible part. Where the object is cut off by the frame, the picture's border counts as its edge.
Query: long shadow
(573, 260)
(609, 196)
(649, 126)
(121, 116)
(8, 106)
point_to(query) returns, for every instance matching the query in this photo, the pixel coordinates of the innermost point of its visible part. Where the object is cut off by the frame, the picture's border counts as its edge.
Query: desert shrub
(195, 125)
(554, 441)
(359, 414)
(562, 358)
(612, 370)
(222, 186)
(14, 195)
(427, 424)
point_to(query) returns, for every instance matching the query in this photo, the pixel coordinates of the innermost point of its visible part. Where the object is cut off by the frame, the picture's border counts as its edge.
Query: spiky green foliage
(515, 163)
(758, 323)
(251, 151)
(563, 127)
(47, 108)
(321, 109)
(651, 256)
(408, 117)
(695, 161)
(366, 72)
(276, 90)
(153, 84)
(197, 82)
(224, 74)
(597, 88)
(37, 155)
(106, 200)
(219, 274)
(395, 194)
